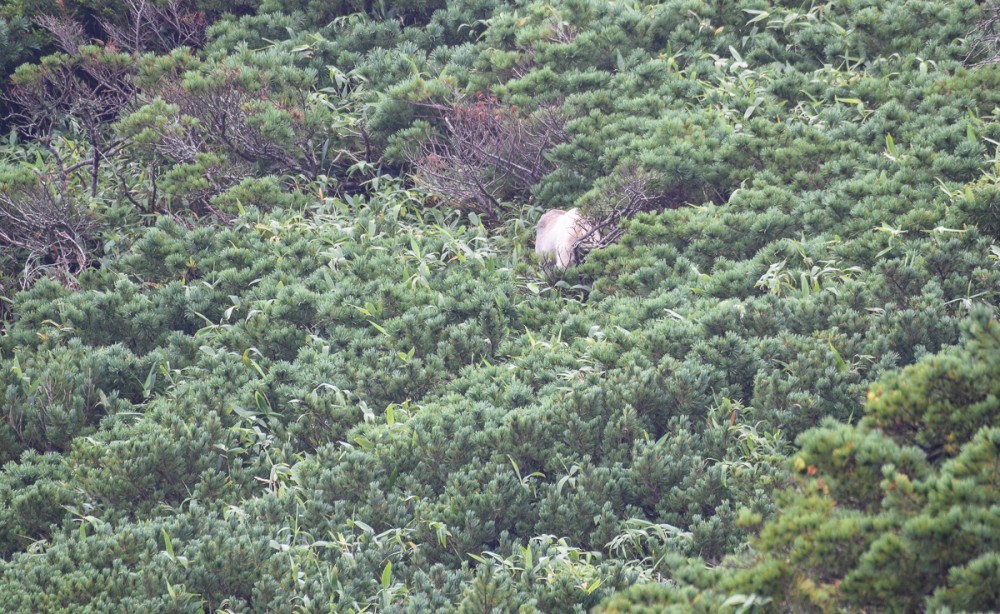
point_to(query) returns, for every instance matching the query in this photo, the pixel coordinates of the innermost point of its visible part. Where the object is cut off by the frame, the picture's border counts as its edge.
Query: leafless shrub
(68, 34)
(487, 153)
(984, 38)
(157, 26)
(227, 113)
(54, 228)
(235, 127)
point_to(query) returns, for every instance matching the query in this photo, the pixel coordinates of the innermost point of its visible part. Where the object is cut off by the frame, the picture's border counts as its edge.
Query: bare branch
(984, 47)
(90, 89)
(157, 26)
(227, 125)
(55, 230)
(631, 191)
(69, 34)
(487, 153)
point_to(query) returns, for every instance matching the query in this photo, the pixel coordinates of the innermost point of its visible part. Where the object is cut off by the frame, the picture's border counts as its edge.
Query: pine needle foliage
(286, 372)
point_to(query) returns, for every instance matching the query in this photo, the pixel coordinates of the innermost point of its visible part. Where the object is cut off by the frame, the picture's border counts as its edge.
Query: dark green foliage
(656, 599)
(320, 13)
(877, 522)
(34, 495)
(943, 401)
(58, 394)
(16, 42)
(285, 380)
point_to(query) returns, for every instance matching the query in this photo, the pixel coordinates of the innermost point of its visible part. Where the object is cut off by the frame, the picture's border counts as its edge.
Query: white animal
(558, 232)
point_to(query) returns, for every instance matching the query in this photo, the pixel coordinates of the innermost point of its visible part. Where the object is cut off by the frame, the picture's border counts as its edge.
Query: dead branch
(984, 47)
(632, 191)
(487, 153)
(227, 126)
(51, 226)
(68, 33)
(90, 88)
(157, 26)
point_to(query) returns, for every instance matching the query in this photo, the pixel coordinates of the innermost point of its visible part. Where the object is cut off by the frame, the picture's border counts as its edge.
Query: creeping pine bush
(288, 381)
(882, 515)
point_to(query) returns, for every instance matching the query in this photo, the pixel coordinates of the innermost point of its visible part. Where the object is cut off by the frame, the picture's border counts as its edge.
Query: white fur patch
(558, 231)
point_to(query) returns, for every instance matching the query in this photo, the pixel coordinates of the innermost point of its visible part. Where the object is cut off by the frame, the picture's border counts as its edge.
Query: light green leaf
(387, 575)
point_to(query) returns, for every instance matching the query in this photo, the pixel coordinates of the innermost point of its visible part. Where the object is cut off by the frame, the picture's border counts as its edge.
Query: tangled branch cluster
(984, 47)
(632, 190)
(52, 227)
(157, 26)
(487, 153)
(90, 87)
(227, 113)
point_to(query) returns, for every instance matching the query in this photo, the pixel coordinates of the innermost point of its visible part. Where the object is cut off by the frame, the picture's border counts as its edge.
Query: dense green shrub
(60, 393)
(16, 43)
(289, 379)
(874, 520)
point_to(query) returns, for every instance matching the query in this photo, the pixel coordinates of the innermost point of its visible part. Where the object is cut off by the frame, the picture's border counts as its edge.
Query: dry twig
(487, 153)
(51, 226)
(984, 47)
